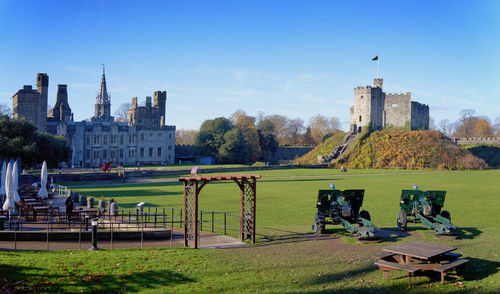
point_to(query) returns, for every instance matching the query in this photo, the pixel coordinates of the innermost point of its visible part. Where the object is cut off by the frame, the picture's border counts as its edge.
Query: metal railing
(112, 224)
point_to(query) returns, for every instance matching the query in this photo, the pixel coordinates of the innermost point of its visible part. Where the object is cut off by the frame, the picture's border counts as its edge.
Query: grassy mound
(323, 149)
(409, 150)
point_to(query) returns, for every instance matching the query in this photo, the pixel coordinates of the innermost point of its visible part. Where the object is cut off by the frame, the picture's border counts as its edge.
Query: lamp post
(95, 222)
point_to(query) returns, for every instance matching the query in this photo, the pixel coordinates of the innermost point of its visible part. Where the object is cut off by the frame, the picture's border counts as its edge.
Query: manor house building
(144, 140)
(373, 107)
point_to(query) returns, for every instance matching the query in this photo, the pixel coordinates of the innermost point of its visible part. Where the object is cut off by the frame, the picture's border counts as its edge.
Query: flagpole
(378, 65)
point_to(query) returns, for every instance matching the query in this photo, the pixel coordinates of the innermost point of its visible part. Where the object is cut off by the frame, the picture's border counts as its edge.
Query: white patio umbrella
(15, 185)
(4, 172)
(43, 180)
(8, 205)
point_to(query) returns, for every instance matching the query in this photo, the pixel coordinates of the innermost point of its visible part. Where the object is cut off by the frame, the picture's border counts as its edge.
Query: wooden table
(415, 256)
(36, 209)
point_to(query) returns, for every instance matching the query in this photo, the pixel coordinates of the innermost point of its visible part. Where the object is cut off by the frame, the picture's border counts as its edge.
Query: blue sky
(294, 58)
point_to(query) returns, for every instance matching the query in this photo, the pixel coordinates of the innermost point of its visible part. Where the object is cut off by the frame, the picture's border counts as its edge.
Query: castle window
(170, 136)
(88, 139)
(361, 96)
(142, 152)
(121, 139)
(394, 105)
(150, 152)
(87, 153)
(142, 137)
(360, 118)
(159, 151)
(121, 153)
(170, 147)
(105, 154)
(105, 140)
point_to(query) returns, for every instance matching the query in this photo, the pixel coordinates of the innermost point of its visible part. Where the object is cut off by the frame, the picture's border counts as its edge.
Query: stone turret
(61, 110)
(42, 84)
(160, 101)
(378, 83)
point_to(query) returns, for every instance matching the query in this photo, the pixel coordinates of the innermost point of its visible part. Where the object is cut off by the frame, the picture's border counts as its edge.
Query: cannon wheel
(402, 220)
(365, 214)
(446, 215)
(319, 223)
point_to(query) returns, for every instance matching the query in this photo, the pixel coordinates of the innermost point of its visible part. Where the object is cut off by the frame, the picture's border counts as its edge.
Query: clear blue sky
(294, 58)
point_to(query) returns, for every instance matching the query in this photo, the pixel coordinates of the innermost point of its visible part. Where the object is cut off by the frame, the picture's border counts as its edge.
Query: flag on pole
(375, 58)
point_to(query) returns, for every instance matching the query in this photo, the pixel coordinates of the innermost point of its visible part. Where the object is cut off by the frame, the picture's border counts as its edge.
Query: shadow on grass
(392, 235)
(468, 233)
(299, 179)
(132, 193)
(337, 277)
(23, 280)
(478, 269)
(284, 237)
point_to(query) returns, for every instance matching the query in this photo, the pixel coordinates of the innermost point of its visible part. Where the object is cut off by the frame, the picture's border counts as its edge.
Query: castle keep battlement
(375, 108)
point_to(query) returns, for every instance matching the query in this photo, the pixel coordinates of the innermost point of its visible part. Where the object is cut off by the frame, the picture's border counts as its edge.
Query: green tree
(219, 138)
(19, 139)
(246, 124)
(233, 150)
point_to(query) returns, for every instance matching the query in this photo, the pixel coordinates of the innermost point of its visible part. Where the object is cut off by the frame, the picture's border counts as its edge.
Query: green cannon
(425, 207)
(342, 207)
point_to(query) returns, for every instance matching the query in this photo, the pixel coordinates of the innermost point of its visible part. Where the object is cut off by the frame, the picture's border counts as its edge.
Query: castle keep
(145, 139)
(373, 107)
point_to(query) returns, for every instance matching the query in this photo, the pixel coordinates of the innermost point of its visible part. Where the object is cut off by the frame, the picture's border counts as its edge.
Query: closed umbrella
(15, 185)
(8, 205)
(43, 180)
(4, 170)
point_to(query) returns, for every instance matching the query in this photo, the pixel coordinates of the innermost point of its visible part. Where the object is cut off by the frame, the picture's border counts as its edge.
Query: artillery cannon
(342, 207)
(425, 207)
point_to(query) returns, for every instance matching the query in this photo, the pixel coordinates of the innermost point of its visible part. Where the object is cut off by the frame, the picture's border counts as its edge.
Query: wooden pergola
(192, 189)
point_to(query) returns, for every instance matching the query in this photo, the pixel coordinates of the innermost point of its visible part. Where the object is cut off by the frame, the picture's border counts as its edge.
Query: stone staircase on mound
(340, 150)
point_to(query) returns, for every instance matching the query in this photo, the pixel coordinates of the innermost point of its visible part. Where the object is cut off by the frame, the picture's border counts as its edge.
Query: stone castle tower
(102, 111)
(149, 115)
(61, 110)
(31, 104)
(373, 107)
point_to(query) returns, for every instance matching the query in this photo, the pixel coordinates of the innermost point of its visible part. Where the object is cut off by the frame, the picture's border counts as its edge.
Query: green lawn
(283, 260)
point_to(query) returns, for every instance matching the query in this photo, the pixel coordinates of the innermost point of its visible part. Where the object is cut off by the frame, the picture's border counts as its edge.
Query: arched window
(360, 118)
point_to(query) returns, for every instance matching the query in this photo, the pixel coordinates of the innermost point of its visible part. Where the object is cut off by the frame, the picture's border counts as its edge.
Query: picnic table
(418, 256)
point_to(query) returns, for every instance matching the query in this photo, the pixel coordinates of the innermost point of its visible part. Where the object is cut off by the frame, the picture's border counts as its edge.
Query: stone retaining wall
(113, 176)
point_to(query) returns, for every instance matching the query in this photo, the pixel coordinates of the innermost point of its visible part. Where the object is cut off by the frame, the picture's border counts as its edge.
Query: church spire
(103, 97)
(103, 102)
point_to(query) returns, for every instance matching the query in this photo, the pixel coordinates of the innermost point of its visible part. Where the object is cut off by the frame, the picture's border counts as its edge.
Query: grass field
(287, 258)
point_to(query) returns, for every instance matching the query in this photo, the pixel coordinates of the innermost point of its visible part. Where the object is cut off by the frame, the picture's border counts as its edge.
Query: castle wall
(377, 108)
(419, 116)
(397, 110)
(97, 143)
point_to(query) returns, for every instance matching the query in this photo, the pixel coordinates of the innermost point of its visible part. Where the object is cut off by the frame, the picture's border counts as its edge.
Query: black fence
(139, 225)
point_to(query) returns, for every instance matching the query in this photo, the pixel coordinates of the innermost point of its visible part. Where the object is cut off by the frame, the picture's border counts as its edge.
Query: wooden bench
(386, 266)
(448, 266)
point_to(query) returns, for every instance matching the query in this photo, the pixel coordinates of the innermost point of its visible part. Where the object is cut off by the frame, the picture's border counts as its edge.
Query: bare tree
(496, 126)
(321, 125)
(295, 127)
(121, 114)
(185, 137)
(466, 124)
(446, 127)
(4, 109)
